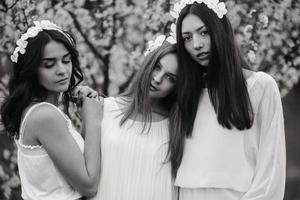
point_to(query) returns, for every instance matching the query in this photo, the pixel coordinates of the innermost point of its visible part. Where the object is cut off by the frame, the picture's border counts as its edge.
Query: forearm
(92, 152)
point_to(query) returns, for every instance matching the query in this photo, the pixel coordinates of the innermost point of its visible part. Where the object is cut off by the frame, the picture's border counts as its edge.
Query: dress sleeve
(269, 176)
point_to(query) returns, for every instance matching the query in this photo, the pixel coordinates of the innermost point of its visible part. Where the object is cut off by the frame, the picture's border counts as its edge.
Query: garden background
(112, 35)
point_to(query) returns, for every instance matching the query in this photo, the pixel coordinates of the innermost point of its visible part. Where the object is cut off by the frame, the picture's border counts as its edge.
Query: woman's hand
(82, 91)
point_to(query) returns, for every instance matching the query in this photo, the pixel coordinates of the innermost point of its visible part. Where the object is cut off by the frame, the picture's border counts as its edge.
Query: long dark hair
(138, 92)
(24, 87)
(224, 79)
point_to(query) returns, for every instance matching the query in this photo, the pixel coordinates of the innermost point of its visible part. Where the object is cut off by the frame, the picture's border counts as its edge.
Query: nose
(197, 42)
(61, 68)
(157, 77)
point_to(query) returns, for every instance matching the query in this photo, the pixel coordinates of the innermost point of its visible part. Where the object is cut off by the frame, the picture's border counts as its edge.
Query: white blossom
(251, 56)
(154, 44)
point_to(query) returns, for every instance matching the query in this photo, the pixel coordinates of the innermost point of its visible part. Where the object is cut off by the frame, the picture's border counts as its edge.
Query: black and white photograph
(149, 100)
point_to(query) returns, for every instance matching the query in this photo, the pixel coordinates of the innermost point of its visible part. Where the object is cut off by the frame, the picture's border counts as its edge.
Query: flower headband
(159, 40)
(218, 7)
(31, 33)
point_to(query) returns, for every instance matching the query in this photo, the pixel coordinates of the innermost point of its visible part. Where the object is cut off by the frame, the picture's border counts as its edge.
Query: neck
(54, 98)
(157, 107)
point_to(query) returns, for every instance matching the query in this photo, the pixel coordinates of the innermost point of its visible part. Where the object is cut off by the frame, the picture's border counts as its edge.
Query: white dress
(132, 165)
(222, 164)
(40, 179)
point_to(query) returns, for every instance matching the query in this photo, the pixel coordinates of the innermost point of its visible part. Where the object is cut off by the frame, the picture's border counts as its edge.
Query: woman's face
(164, 76)
(196, 39)
(55, 71)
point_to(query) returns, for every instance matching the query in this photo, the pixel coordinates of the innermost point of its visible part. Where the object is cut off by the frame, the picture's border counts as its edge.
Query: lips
(64, 80)
(153, 88)
(203, 55)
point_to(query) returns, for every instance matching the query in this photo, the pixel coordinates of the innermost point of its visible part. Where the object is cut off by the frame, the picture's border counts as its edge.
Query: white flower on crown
(221, 11)
(154, 44)
(31, 32)
(218, 7)
(172, 38)
(46, 25)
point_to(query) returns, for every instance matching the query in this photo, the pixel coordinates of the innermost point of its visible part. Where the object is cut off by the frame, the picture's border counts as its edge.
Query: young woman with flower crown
(134, 134)
(54, 161)
(228, 142)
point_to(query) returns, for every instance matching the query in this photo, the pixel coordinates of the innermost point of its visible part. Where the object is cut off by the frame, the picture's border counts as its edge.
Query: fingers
(85, 91)
(93, 94)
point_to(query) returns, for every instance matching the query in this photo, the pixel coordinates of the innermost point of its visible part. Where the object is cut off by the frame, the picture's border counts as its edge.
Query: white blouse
(133, 163)
(219, 163)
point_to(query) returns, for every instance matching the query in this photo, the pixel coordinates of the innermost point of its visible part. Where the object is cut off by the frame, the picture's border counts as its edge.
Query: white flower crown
(154, 44)
(32, 32)
(218, 7)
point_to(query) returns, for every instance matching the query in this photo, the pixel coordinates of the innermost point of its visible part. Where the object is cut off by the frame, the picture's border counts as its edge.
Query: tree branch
(104, 60)
(89, 44)
(114, 28)
(6, 7)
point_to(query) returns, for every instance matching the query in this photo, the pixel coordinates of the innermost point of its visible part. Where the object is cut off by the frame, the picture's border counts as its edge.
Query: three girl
(220, 123)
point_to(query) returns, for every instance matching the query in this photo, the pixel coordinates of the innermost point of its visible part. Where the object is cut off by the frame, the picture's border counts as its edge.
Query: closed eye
(48, 63)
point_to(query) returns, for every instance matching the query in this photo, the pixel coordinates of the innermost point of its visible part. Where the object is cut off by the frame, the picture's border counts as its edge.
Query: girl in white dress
(135, 136)
(54, 161)
(230, 144)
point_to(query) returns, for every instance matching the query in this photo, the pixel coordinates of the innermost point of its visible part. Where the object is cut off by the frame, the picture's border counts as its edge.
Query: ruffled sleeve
(269, 175)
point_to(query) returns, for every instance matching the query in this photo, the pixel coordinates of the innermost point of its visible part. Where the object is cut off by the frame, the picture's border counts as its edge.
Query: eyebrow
(50, 59)
(198, 29)
(171, 74)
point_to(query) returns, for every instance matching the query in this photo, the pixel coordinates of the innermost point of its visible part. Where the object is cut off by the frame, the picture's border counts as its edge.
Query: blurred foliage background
(112, 35)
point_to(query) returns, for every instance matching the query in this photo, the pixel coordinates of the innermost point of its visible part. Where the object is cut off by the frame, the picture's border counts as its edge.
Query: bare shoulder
(43, 117)
(45, 112)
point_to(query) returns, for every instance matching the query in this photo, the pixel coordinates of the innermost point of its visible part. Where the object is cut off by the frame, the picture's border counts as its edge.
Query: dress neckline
(137, 121)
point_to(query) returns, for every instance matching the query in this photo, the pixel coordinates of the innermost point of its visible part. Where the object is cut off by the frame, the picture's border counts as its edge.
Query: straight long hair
(137, 96)
(224, 79)
(24, 86)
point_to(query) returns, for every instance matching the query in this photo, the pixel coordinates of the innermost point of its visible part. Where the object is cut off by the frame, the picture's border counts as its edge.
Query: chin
(63, 89)
(204, 64)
